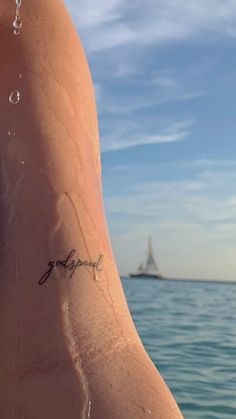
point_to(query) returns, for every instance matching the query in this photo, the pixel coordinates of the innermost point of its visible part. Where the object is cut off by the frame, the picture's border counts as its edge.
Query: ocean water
(189, 331)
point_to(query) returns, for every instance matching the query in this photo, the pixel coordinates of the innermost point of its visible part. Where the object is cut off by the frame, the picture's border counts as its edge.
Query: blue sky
(165, 83)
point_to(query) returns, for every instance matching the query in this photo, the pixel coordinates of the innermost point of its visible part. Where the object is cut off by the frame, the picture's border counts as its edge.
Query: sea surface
(189, 330)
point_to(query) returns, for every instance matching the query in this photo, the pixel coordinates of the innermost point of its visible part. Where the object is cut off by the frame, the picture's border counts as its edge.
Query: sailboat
(150, 269)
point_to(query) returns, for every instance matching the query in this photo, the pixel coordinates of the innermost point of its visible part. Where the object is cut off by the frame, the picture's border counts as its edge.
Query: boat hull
(151, 276)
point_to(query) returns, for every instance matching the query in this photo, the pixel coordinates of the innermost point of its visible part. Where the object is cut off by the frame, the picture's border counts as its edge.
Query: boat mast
(150, 263)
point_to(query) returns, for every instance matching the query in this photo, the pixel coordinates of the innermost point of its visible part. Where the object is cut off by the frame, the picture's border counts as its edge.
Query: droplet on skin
(146, 410)
(20, 76)
(14, 97)
(97, 277)
(11, 133)
(89, 409)
(17, 24)
(65, 307)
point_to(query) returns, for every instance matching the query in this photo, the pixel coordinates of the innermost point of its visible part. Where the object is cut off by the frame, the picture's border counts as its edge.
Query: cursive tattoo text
(71, 265)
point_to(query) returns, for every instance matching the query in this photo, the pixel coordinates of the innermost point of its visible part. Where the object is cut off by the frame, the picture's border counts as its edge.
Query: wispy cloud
(126, 69)
(128, 90)
(116, 22)
(134, 136)
(199, 165)
(145, 140)
(91, 12)
(145, 98)
(166, 82)
(197, 200)
(206, 197)
(193, 223)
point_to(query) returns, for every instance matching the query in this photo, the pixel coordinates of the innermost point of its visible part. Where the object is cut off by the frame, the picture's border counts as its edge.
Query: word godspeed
(71, 265)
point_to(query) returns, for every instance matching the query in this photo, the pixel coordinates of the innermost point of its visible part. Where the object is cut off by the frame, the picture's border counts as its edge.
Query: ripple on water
(189, 330)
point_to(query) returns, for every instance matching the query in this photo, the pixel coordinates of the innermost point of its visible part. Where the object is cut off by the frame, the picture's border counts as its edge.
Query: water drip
(96, 276)
(14, 97)
(11, 133)
(89, 409)
(17, 24)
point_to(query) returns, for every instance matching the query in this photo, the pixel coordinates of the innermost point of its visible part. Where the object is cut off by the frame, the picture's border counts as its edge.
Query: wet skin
(69, 348)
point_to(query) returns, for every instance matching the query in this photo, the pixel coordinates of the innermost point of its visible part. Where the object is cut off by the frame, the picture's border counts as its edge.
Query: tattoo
(71, 265)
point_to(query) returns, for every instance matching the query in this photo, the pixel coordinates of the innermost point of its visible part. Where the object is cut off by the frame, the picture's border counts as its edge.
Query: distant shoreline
(208, 281)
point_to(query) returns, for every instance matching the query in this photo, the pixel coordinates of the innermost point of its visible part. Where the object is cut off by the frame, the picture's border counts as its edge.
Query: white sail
(151, 266)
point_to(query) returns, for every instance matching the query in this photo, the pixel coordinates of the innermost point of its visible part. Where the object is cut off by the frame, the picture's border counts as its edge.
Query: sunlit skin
(69, 348)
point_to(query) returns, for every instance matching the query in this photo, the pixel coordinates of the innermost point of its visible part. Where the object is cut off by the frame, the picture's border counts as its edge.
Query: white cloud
(206, 199)
(92, 12)
(126, 69)
(146, 139)
(148, 96)
(219, 166)
(166, 82)
(156, 21)
(122, 85)
(130, 136)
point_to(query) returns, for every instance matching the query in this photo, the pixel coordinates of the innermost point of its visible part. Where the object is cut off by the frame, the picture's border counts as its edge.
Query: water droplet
(146, 410)
(17, 24)
(97, 277)
(89, 409)
(20, 76)
(22, 162)
(14, 97)
(11, 133)
(111, 262)
(65, 307)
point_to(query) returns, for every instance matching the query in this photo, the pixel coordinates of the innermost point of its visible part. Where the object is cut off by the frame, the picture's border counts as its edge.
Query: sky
(164, 73)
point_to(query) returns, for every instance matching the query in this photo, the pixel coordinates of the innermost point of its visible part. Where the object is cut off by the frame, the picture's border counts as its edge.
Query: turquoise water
(189, 331)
